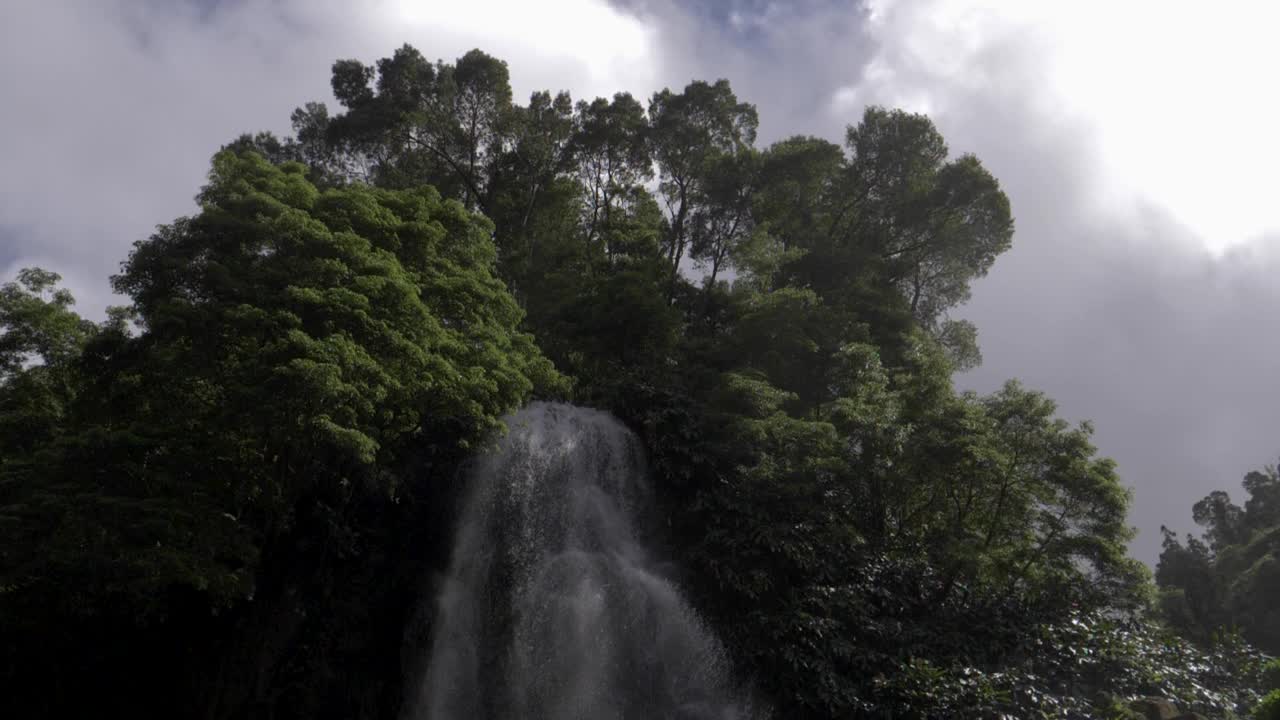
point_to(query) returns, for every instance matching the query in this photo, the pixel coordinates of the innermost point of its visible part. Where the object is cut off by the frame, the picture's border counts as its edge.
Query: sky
(1136, 140)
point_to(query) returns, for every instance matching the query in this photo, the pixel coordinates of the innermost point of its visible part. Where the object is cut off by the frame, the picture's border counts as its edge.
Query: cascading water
(552, 609)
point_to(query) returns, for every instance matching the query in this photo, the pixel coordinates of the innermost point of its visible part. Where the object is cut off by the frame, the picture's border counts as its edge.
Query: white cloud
(1176, 94)
(112, 109)
(1110, 300)
(1125, 133)
(583, 45)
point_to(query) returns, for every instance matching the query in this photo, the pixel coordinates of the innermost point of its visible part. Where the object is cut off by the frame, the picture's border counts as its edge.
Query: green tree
(297, 349)
(893, 230)
(1230, 579)
(420, 123)
(1058, 505)
(38, 324)
(531, 201)
(613, 160)
(688, 132)
(243, 472)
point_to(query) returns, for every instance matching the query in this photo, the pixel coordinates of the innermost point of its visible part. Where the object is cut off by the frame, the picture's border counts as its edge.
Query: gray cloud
(111, 110)
(787, 58)
(1106, 304)
(1112, 307)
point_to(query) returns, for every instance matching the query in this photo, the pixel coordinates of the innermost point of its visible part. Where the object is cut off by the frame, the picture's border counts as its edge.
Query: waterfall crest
(552, 608)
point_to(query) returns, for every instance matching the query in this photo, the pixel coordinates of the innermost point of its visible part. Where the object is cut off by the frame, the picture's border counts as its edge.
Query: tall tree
(299, 351)
(894, 228)
(688, 132)
(348, 314)
(443, 124)
(1230, 578)
(611, 148)
(530, 200)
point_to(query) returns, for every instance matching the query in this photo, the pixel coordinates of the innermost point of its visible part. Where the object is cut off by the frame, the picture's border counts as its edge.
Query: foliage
(1269, 708)
(243, 474)
(297, 348)
(1231, 577)
(1271, 675)
(1081, 665)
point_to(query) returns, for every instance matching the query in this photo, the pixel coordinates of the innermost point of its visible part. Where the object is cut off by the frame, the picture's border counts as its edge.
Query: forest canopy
(234, 489)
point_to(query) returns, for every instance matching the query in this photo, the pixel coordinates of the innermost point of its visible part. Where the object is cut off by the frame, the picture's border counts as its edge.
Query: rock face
(1158, 709)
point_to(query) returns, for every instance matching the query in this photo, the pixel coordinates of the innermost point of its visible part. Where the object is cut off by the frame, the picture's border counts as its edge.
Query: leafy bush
(1137, 657)
(1269, 708)
(1271, 675)
(1082, 666)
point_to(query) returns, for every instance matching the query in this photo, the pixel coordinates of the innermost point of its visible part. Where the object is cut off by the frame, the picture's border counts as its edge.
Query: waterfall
(552, 608)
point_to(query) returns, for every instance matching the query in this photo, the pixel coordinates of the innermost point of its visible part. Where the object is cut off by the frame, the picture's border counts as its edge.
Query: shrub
(1269, 708)
(1271, 675)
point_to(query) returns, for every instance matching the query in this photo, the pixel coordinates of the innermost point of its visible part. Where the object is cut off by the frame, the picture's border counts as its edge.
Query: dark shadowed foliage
(229, 499)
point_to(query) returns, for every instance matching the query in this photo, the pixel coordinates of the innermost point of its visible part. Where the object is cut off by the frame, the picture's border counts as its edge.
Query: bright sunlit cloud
(1179, 96)
(607, 50)
(1184, 100)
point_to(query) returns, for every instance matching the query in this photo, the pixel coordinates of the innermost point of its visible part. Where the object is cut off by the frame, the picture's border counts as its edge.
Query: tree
(41, 340)
(244, 477)
(1191, 598)
(613, 159)
(299, 351)
(530, 200)
(688, 132)
(723, 221)
(439, 124)
(1058, 505)
(1230, 578)
(1262, 509)
(37, 323)
(892, 229)
(1221, 518)
(475, 95)
(795, 189)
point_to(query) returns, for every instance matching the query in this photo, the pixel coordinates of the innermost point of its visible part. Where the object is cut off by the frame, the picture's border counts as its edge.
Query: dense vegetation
(228, 499)
(1231, 577)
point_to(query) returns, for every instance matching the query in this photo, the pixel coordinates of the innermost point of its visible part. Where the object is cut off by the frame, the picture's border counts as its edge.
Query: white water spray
(552, 609)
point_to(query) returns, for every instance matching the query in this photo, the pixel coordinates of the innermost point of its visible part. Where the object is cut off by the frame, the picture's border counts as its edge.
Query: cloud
(786, 57)
(1109, 300)
(113, 108)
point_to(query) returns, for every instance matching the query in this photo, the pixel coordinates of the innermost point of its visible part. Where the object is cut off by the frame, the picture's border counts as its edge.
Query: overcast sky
(1136, 140)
